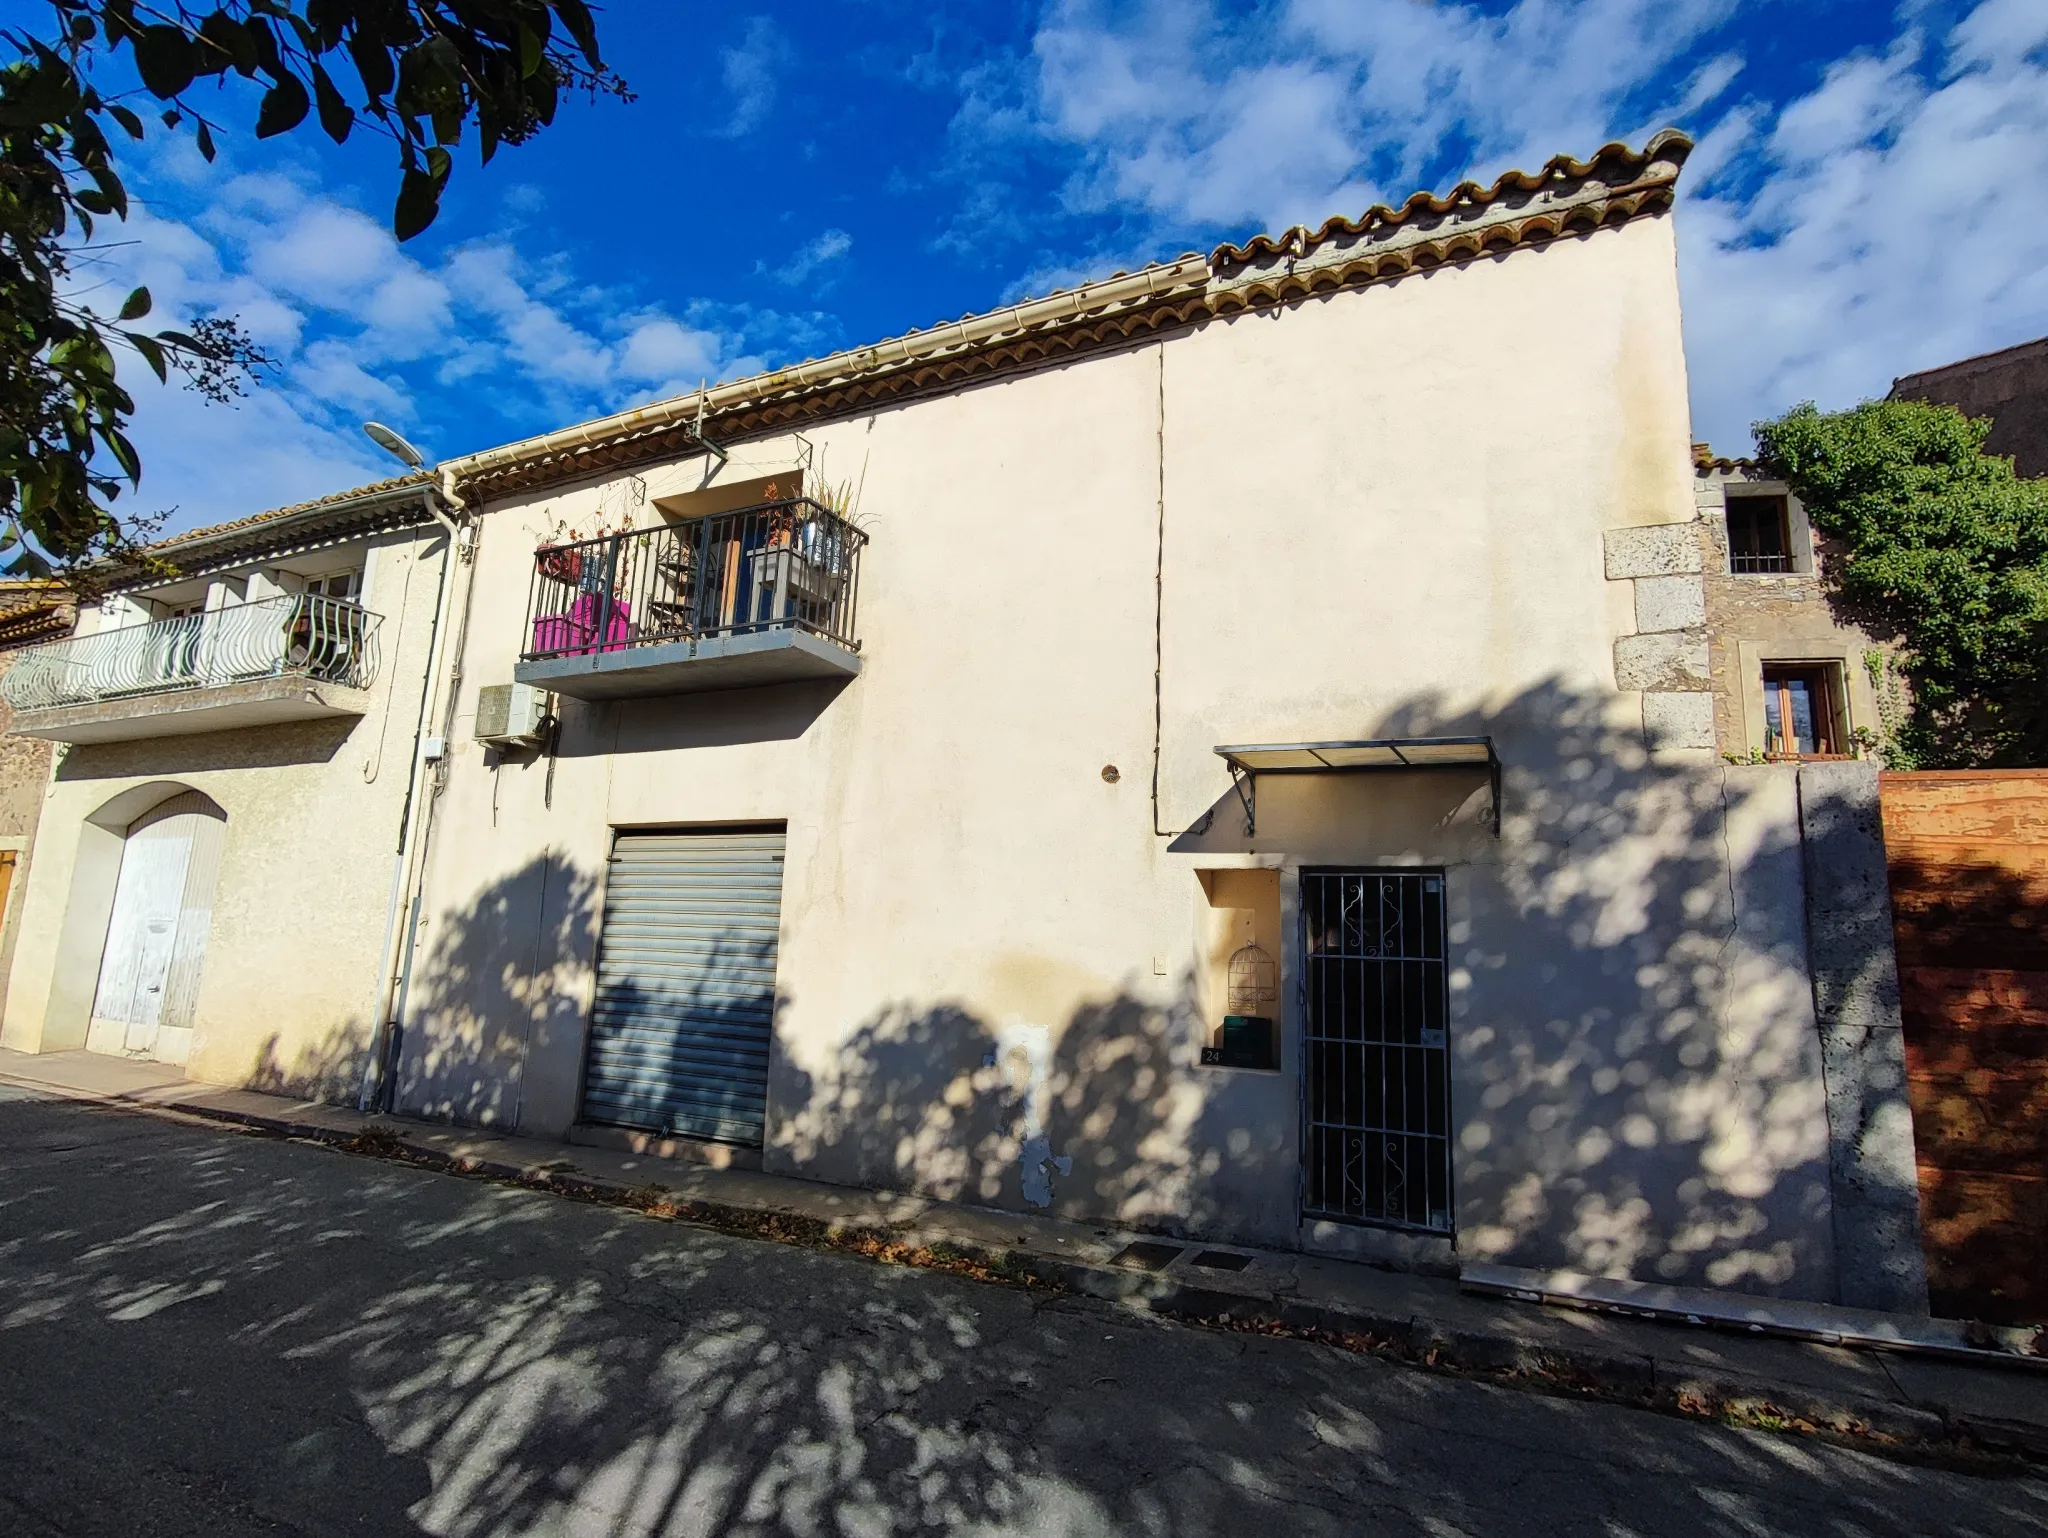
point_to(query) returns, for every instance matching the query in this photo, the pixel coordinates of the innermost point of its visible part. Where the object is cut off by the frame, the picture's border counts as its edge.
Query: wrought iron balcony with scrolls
(760, 595)
(241, 665)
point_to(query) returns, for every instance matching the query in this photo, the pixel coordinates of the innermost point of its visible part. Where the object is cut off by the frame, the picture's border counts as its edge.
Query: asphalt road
(208, 1333)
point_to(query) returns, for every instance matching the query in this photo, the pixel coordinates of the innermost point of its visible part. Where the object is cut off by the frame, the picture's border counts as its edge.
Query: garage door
(685, 1001)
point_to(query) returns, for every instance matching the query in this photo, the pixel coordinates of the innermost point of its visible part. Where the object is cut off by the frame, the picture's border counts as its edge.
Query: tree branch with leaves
(419, 73)
(1942, 549)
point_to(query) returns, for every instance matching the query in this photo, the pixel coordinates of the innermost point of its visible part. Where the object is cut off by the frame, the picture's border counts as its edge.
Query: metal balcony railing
(790, 565)
(294, 634)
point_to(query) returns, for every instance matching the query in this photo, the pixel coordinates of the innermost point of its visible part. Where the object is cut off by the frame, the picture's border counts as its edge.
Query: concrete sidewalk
(1925, 1387)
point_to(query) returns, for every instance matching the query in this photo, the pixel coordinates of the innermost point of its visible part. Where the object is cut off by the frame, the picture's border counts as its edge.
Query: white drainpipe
(401, 924)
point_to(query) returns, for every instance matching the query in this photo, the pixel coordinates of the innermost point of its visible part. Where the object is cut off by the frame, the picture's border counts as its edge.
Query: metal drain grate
(1221, 1260)
(1147, 1255)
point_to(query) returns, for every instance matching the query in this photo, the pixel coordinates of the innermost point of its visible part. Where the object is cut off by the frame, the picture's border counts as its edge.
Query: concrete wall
(1873, 1172)
(1380, 513)
(285, 994)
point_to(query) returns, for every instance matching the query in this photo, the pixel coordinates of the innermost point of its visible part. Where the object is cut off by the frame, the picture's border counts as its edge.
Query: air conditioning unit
(511, 715)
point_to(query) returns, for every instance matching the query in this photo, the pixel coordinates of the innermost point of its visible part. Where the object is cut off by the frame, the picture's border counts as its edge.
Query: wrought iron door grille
(1376, 1103)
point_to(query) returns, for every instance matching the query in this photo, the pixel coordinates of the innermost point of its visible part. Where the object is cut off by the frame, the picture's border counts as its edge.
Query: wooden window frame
(1757, 562)
(318, 585)
(1827, 683)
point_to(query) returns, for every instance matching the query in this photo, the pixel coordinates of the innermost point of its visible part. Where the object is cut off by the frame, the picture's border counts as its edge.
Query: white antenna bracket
(697, 428)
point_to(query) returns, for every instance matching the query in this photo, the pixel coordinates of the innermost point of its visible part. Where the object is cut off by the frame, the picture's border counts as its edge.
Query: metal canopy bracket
(1375, 755)
(697, 428)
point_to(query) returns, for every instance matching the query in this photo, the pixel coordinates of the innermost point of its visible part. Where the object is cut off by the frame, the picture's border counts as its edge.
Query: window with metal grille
(1376, 1103)
(1759, 535)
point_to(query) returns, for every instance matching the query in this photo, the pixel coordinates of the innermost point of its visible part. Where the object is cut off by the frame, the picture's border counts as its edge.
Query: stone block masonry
(1661, 550)
(1667, 660)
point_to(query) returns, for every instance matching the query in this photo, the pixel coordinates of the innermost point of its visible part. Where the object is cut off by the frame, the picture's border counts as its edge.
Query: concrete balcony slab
(186, 712)
(694, 666)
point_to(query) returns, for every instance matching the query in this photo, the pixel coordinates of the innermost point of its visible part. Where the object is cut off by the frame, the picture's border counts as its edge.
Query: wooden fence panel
(1968, 859)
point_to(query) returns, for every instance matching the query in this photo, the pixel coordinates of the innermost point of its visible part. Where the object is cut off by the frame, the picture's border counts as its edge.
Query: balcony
(734, 600)
(294, 657)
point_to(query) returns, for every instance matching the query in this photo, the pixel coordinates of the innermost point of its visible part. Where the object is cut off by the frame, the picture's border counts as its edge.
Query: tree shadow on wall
(1637, 1084)
(1110, 1117)
(502, 1010)
(498, 984)
(492, 982)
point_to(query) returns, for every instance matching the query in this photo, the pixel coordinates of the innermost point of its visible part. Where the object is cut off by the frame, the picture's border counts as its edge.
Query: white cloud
(752, 74)
(1883, 221)
(1322, 103)
(1892, 228)
(805, 263)
(661, 350)
(480, 338)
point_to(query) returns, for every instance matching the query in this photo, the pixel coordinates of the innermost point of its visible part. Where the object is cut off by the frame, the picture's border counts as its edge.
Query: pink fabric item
(575, 633)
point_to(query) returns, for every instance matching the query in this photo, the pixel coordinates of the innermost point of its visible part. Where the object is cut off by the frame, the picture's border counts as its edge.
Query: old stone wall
(1665, 659)
(24, 772)
(1757, 617)
(24, 777)
(2010, 387)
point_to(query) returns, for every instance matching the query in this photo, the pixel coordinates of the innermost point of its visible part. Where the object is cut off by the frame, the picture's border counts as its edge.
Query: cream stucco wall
(293, 953)
(1375, 514)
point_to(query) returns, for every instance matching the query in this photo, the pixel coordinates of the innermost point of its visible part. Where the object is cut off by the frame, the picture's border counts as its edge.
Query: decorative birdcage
(1254, 982)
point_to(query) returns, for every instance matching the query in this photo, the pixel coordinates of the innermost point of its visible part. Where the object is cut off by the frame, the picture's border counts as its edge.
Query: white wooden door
(156, 935)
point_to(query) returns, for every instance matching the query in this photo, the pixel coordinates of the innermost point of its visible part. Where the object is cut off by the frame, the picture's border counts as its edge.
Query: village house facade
(1223, 750)
(234, 732)
(1230, 750)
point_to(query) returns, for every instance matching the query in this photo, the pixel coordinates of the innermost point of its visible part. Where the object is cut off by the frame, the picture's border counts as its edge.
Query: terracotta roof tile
(1466, 196)
(1706, 462)
(255, 520)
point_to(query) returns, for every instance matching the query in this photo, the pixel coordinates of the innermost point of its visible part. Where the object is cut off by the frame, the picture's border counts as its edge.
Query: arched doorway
(156, 934)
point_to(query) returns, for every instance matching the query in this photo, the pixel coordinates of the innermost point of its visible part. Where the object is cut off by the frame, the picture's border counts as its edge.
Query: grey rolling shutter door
(685, 1001)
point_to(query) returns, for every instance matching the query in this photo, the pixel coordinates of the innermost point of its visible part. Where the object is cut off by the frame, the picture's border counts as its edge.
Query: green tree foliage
(419, 73)
(1942, 549)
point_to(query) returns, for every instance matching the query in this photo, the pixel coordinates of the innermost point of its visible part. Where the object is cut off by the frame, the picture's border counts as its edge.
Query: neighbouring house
(1229, 749)
(2010, 387)
(236, 727)
(1791, 681)
(31, 611)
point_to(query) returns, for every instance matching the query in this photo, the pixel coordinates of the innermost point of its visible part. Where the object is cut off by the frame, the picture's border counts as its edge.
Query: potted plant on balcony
(807, 554)
(560, 557)
(558, 564)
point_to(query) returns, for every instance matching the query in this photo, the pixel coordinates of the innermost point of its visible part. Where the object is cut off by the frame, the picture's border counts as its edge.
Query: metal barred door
(1376, 1106)
(685, 1006)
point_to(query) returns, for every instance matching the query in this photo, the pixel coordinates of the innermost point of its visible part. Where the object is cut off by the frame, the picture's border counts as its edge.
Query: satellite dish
(391, 443)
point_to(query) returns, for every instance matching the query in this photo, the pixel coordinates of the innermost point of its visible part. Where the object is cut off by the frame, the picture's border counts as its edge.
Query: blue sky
(1866, 199)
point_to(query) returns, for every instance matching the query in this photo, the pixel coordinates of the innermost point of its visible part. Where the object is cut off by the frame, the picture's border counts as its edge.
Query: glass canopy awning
(1248, 761)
